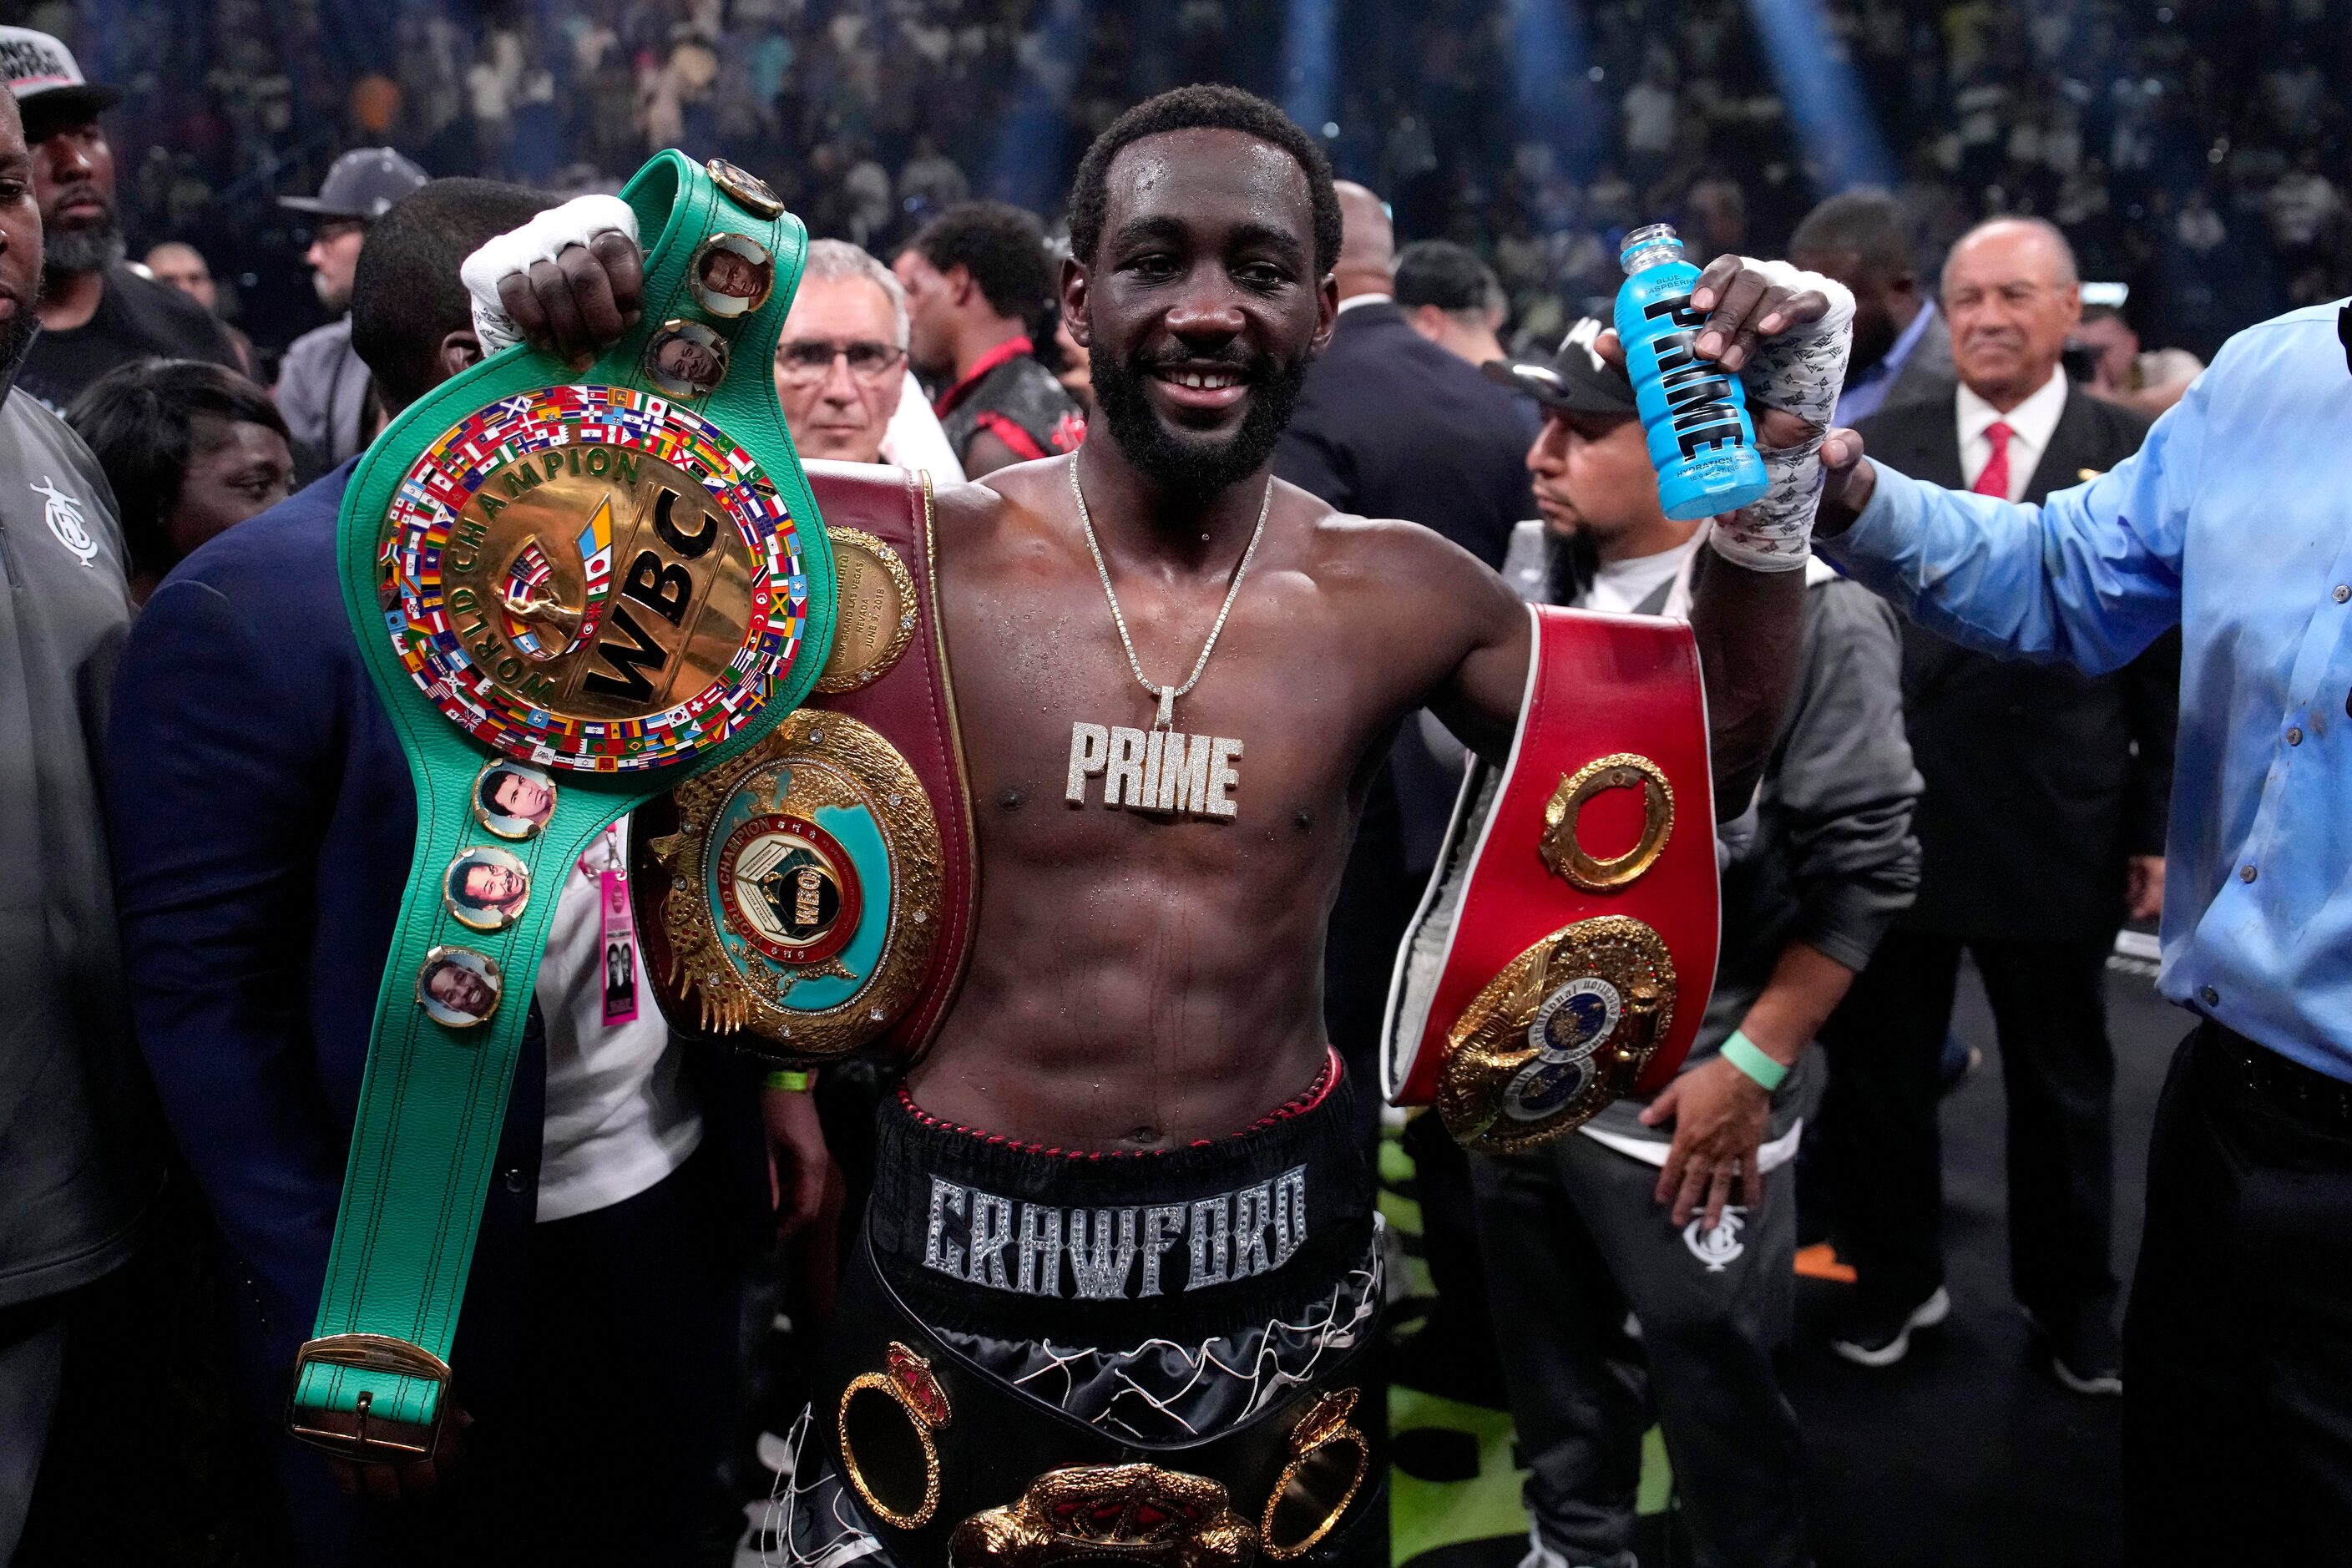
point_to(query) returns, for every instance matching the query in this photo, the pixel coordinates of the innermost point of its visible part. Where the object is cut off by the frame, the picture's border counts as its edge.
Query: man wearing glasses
(840, 368)
(323, 388)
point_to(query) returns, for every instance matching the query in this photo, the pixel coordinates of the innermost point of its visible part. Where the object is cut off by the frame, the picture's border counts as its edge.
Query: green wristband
(1744, 1054)
(790, 1082)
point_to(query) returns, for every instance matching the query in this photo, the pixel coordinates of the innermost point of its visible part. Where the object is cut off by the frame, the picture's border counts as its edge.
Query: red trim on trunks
(1307, 1099)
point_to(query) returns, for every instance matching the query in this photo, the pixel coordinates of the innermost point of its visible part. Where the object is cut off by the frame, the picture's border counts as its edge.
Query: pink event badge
(620, 948)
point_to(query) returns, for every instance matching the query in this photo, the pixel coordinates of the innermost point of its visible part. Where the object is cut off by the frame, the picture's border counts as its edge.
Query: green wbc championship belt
(572, 590)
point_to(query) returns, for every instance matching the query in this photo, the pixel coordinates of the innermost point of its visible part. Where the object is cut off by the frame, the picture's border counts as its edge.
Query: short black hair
(141, 420)
(1003, 248)
(1449, 275)
(1202, 108)
(1868, 222)
(489, 791)
(406, 295)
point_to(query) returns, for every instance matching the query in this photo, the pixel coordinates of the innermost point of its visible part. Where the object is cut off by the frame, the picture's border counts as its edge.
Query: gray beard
(91, 250)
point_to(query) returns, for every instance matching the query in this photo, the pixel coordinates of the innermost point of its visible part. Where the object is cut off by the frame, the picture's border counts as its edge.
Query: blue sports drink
(1701, 441)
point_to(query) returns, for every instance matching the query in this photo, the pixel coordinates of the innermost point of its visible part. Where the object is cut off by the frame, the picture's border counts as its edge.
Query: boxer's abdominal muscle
(1144, 979)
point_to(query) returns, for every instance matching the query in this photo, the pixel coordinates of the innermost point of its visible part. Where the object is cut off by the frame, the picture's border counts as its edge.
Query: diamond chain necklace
(1166, 718)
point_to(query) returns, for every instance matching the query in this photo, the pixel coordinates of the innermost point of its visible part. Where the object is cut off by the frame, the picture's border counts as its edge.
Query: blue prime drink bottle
(1701, 441)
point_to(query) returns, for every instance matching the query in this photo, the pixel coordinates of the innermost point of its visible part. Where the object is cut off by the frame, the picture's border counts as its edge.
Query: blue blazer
(263, 823)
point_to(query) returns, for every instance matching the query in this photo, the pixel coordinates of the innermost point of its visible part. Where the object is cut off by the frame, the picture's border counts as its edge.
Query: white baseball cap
(43, 77)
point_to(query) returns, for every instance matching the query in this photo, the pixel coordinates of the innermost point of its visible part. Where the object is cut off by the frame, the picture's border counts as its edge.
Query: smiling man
(96, 313)
(1131, 1142)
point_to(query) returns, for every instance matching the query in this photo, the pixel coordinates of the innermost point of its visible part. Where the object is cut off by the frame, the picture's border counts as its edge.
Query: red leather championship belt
(1564, 952)
(815, 896)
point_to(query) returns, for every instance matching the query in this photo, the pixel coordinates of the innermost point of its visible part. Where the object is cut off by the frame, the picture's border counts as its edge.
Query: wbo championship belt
(1564, 952)
(572, 589)
(813, 895)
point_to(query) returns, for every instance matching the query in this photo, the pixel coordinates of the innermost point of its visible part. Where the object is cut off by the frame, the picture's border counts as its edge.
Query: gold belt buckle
(366, 1440)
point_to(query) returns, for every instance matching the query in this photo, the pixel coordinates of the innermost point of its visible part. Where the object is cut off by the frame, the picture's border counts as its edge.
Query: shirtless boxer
(1140, 1037)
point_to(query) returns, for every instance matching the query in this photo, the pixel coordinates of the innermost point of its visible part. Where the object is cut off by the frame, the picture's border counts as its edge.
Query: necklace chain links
(1166, 718)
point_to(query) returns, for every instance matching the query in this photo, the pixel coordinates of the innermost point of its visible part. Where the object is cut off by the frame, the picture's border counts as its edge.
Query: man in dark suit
(2041, 826)
(1391, 425)
(264, 822)
(1901, 351)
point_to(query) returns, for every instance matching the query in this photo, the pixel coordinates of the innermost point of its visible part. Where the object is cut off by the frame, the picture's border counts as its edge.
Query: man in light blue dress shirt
(2233, 522)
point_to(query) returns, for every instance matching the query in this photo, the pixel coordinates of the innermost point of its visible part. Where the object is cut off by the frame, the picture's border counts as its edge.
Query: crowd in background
(2190, 152)
(2195, 157)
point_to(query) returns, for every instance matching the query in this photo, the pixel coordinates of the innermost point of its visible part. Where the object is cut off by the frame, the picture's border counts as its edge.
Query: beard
(87, 247)
(1188, 467)
(1874, 334)
(336, 298)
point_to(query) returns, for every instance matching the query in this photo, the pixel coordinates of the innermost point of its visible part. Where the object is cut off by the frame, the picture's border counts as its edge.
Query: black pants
(1881, 1155)
(1575, 1244)
(2238, 1350)
(618, 1412)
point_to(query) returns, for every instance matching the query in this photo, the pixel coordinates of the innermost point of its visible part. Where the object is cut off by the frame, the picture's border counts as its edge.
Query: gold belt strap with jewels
(815, 895)
(1563, 952)
(571, 589)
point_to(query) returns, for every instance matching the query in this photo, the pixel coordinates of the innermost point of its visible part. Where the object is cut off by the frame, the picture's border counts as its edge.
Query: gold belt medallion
(805, 886)
(592, 578)
(1564, 1029)
(1130, 1513)
(874, 618)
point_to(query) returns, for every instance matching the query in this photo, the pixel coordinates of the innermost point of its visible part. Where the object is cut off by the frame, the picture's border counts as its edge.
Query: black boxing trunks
(1045, 1355)
(1015, 398)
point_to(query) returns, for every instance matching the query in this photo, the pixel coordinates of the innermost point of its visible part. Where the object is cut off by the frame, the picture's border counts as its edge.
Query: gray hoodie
(79, 1161)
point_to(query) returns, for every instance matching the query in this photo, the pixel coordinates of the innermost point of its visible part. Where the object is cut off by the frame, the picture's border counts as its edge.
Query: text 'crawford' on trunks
(1227, 1236)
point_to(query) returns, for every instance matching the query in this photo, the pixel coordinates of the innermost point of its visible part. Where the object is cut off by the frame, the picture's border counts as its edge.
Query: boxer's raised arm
(571, 281)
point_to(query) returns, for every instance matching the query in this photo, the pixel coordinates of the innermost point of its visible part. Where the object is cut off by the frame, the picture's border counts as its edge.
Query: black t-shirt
(136, 319)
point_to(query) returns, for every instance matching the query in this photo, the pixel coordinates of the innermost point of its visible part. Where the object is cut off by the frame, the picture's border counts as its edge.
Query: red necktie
(1992, 480)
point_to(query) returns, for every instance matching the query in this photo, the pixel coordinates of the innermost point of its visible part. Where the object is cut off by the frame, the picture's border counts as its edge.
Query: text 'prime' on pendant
(1155, 769)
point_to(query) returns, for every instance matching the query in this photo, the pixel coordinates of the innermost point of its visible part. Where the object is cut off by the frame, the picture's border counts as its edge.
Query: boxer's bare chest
(1153, 896)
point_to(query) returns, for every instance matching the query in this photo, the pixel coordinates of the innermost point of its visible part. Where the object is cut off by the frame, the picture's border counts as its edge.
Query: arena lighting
(1031, 164)
(1818, 84)
(1311, 63)
(1548, 81)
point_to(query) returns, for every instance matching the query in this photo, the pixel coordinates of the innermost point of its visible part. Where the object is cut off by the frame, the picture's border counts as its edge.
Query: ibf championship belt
(572, 589)
(813, 895)
(1563, 953)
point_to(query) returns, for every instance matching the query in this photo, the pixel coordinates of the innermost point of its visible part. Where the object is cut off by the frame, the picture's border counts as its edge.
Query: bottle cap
(1648, 246)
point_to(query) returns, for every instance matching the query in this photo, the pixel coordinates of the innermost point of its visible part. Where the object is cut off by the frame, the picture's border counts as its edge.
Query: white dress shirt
(2030, 426)
(914, 440)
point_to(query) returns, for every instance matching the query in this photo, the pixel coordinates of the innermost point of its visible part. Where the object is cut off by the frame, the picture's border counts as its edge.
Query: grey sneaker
(2087, 1358)
(1882, 1338)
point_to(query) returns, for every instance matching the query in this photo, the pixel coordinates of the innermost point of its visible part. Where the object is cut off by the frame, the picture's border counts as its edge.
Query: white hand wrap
(1802, 370)
(543, 238)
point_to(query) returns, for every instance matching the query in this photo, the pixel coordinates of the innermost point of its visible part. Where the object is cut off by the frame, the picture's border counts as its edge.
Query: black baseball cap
(363, 184)
(51, 93)
(1576, 378)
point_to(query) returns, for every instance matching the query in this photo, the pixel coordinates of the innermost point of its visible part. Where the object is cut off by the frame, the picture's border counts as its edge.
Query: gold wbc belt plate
(592, 578)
